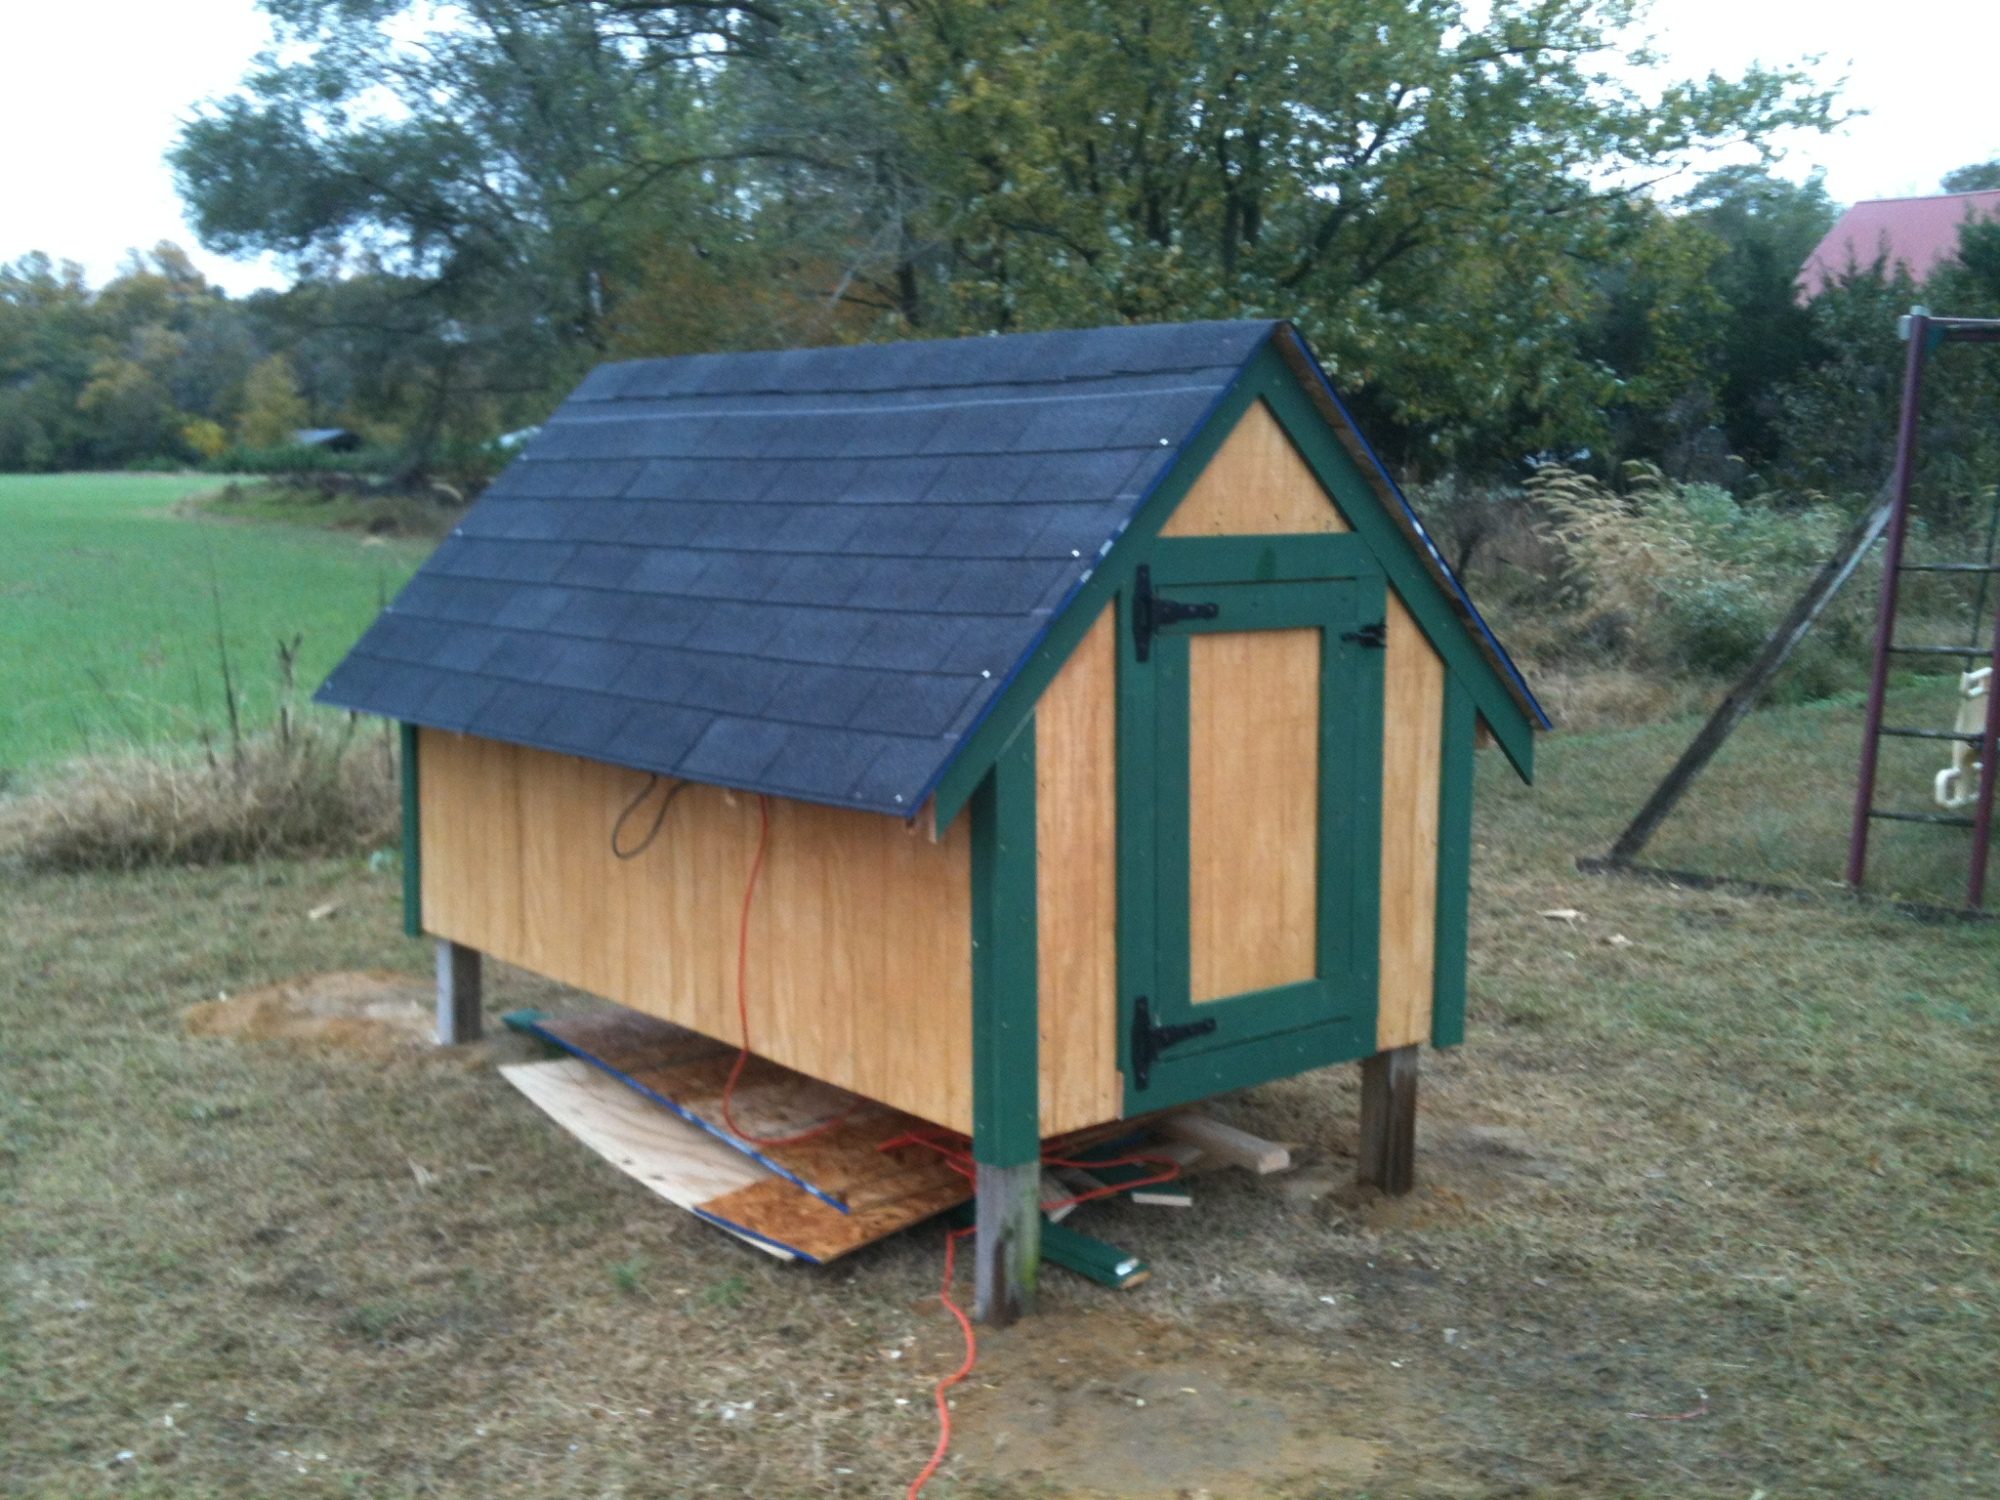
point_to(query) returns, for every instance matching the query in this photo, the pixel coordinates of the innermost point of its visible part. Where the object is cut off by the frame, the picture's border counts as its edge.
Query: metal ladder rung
(1970, 736)
(1949, 568)
(1965, 651)
(1949, 820)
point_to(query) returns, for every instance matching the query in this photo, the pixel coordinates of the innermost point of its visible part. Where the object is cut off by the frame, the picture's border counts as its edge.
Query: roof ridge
(1925, 197)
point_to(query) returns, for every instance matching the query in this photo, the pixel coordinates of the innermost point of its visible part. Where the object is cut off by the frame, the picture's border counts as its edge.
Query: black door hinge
(1151, 613)
(1375, 636)
(1149, 1040)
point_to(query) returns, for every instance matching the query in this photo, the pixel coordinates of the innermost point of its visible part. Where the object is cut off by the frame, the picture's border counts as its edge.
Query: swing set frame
(1887, 515)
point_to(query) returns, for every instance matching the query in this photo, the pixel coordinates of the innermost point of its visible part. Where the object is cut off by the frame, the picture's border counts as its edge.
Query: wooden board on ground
(694, 1169)
(1226, 1143)
(681, 1162)
(850, 1166)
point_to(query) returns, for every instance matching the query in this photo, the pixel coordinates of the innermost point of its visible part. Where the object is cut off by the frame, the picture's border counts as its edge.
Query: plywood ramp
(1412, 762)
(1076, 838)
(860, 940)
(1256, 485)
(1253, 810)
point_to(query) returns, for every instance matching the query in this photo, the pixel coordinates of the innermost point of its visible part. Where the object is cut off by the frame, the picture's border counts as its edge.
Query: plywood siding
(1076, 836)
(1256, 485)
(1412, 758)
(1253, 810)
(860, 948)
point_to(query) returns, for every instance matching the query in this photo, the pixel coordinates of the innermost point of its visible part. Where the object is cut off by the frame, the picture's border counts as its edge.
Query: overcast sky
(90, 101)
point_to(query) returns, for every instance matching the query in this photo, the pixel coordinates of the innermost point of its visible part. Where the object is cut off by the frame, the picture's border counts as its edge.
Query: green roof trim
(1346, 467)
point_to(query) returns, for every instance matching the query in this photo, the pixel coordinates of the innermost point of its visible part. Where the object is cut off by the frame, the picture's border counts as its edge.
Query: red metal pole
(1917, 330)
(1989, 752)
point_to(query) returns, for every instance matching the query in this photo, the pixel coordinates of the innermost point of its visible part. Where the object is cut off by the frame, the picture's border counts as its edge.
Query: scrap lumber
(1056, 1191)
(682, 1163)
(1226, 1143)
(847, 1163)
(693, 1169)
(1104, 1264)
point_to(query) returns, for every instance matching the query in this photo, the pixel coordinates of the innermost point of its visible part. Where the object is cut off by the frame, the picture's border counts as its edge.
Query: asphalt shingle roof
(807, 572)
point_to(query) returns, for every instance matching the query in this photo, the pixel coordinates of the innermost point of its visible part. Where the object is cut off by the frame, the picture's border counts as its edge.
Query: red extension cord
(743, 1003)
(956, 1155)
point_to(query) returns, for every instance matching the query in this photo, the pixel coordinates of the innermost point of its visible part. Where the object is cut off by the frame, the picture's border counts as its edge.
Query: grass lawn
(108, 609)
(1777, 802)
(1735, 1167)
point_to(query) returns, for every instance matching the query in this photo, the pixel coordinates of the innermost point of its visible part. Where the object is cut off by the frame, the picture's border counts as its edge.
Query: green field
(109, 602)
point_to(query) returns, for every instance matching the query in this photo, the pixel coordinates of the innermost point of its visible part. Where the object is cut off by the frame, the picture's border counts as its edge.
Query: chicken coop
(1094, 717)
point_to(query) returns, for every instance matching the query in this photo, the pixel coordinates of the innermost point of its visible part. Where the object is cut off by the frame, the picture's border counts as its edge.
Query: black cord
(652, 780)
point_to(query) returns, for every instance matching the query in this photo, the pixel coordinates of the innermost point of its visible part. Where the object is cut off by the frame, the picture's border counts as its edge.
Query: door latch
(1149, 1039)
(1375, 636)
(1151, 613)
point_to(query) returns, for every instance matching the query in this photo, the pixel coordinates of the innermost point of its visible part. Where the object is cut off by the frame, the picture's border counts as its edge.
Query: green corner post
(1006, 1092)
(1454, 873)
(413, 853)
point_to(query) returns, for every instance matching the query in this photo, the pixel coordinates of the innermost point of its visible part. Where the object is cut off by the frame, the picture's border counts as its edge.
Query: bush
(316, 786)
(1695, 579)
(1717, 626)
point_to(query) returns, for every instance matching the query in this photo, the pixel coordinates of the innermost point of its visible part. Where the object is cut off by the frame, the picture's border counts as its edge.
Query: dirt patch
(1117, 1405)
(371, 1010)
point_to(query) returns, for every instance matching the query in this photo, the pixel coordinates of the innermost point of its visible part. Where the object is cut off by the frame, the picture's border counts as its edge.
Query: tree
(1766, 227)
(273, 409)
(1430, 194)
(1976, 178)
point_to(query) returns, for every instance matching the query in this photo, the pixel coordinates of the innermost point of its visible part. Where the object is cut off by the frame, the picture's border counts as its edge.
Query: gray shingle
(806, 572)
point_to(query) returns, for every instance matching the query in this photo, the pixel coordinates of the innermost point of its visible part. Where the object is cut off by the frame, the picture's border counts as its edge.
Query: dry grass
(314, 786)
(1749, 1155)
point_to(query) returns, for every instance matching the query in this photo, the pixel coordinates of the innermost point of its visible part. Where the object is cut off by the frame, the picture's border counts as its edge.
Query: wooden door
(1250, 733)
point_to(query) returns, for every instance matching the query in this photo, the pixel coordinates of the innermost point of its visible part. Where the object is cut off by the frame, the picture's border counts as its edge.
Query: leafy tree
(273, 409)
(1973, 179)
(1766, 228)
(204, 438)
(1429, 193)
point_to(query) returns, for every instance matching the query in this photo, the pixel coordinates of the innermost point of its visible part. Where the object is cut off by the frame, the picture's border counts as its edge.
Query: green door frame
(1329, 583)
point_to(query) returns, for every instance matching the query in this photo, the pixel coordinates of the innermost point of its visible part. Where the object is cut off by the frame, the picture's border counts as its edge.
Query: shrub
(1695, 578)
(314, 786)
(308, 783)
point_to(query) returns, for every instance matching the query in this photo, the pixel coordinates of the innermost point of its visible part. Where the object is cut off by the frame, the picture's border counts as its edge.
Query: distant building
(1918, 234)
(332, 439)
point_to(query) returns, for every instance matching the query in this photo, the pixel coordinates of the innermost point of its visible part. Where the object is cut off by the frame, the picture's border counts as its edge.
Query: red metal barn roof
(1915, 233)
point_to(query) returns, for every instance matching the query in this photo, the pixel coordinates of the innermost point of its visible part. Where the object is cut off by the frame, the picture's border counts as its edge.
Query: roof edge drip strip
(943, 815)
(1300, 353)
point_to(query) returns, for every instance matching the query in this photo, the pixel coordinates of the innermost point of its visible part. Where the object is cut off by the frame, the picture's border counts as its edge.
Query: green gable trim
(413, 864)
(1006, 1087)
(1356, 495)
(1267, 377)
(1112, 573)
(1454, 868)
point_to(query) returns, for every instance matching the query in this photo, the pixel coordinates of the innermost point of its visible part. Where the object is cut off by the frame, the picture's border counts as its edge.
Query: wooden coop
(1111, 711)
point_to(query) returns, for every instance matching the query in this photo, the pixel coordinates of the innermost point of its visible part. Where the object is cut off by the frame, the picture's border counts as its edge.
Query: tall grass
(305, 782)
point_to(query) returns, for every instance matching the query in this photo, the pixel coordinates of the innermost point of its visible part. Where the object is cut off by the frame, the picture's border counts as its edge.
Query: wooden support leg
(1007, 1242)
(1389, 1120)
(459, 1016)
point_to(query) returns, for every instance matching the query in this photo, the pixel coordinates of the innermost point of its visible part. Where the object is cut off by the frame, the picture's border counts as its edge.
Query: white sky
(90, 101)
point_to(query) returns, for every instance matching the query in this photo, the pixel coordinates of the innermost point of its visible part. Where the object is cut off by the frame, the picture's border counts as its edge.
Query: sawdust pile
(368, 1011)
